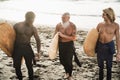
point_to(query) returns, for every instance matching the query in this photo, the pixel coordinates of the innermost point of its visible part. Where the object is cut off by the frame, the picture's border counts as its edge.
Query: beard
(65, 24)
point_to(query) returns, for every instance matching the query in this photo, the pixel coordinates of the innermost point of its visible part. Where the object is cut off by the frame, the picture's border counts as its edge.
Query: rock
(45, 54)
(1, 66)
(47, 69)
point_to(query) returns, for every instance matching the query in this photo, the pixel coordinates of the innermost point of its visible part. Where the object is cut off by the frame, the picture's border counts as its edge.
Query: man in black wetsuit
(22, 48)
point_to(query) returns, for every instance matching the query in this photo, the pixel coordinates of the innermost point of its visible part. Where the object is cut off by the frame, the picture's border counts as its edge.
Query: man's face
(30, 20)
(65, 18)
(104, 16)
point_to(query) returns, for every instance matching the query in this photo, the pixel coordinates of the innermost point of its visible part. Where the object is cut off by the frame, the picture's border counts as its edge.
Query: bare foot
(66, 76)
(70, 78)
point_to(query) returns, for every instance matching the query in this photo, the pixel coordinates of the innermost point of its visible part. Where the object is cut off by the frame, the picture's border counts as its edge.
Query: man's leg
(101, 73)
(18, 73)
(68, 64)
(109, 67)
(101, 68)
(17, 65)
(66, 54)
(28, 61)
(69, 67)
(63, 62)
(62, 58)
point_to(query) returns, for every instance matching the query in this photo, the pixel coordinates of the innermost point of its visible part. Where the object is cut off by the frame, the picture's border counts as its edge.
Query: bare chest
(107, 30)
(66, 30)
(26, 31)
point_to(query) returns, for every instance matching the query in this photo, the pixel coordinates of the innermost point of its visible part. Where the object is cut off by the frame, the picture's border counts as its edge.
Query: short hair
(110, 14)
(29, 14)
(66, 14)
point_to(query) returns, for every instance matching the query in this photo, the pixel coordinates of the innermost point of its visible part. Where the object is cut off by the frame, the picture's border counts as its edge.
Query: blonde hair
(110, 14)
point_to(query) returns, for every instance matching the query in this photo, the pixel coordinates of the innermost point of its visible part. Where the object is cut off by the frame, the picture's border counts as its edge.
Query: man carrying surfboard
(105, 46)
(67, 34)
(22, 48)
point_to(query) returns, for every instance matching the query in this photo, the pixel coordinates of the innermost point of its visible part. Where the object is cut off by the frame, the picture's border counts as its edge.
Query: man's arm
(15, 26)
(73, 35)
(117, 39)
(74, 30)
(117, 43)
(98, 26)
(73, 38)
(37, 40)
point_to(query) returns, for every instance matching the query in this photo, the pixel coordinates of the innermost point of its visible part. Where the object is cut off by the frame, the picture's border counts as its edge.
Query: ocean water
(86, 14)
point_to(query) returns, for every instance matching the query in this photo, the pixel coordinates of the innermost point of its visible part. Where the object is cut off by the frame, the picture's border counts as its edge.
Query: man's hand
(118, 57)
(37, 56)
(60, 34)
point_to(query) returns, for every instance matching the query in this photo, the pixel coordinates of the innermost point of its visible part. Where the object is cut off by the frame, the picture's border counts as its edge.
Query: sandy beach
(48, 69)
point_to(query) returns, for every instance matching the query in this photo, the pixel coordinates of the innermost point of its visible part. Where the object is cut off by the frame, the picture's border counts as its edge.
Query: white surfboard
(53, 47)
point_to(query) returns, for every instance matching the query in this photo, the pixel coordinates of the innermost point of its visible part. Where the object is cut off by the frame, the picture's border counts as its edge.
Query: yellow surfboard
(90, 42)
(53, 47)
(7, 38)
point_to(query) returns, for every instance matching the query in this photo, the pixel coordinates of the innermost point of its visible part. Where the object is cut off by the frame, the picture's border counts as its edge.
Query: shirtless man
(22, 48)
(105, 47)
(67, 34)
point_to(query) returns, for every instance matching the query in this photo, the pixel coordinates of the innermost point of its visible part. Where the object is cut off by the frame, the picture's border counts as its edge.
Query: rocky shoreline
(48, 69)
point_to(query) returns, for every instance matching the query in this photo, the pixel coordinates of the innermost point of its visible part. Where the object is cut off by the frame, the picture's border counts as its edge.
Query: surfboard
(52, 51)
(90, 42)
(7, 38)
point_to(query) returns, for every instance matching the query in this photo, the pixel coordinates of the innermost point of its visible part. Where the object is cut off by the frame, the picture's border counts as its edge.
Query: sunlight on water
(84, 13)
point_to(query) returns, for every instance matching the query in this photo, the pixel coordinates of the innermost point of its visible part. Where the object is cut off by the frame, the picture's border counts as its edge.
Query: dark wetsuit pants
(104, 53)
(66, 51)
(21, 51)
